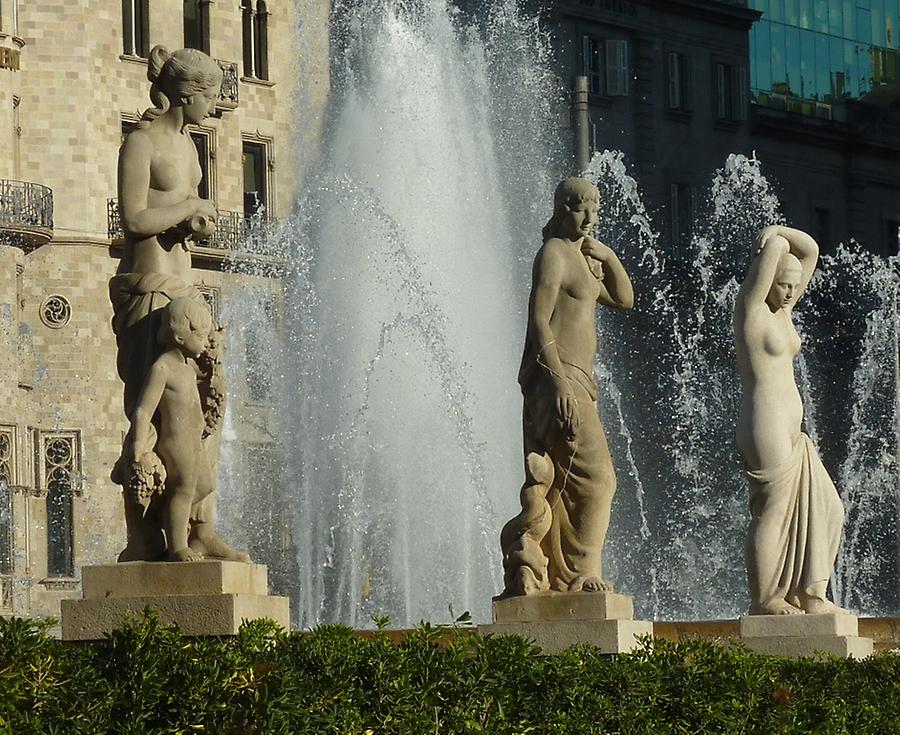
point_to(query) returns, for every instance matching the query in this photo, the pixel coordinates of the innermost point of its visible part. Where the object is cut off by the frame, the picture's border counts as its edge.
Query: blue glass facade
(823, 50)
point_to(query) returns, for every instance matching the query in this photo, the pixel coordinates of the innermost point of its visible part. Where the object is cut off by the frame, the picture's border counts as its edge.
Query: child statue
(162, 216)
(556, 542)
(796, 513)
(172, 451)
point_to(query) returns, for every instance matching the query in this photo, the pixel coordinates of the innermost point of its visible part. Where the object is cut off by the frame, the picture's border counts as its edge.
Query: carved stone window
(56, 311)
(255, 21)
(7, 526)
(196, 24)
(59, 470)
(136, 27)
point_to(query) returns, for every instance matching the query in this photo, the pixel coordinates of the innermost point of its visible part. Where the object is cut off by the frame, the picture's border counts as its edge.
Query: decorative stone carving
(556, 542)
(55, 311)
(169, 351)
(796, 513)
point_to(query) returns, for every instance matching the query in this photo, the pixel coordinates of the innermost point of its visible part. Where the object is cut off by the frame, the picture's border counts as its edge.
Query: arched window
(196, 25)
(136, 27)
(255, 22)
(60, 466)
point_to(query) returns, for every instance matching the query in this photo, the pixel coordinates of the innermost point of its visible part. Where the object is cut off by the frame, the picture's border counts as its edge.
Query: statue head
(786, 283)
(576, 202)
(187, 78)
(186, 324)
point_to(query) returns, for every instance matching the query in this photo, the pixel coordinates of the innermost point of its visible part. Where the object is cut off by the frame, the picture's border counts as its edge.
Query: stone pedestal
(805, 635)
(201, 598)
(557, 620)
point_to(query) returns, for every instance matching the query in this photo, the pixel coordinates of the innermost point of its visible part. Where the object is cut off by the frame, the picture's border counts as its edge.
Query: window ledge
(258, 82)
(674, 113)
(728, 124)
(131, 59)
(61, 583)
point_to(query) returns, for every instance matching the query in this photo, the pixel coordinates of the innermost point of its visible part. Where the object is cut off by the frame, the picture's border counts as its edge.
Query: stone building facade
(72, 82)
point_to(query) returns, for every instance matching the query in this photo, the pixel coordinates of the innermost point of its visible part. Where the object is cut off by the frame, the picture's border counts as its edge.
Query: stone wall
(74, 89)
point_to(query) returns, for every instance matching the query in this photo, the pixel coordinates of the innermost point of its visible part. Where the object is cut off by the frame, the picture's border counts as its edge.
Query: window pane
(851, 67)
(762, 69)
(59, 528)
(806, 13)
(779, 70)
(792, 56)
(863, 25)
(849, 13)
(255, 195)
(791, 12)
(835, 18)
(776, 11)
(201, 142)
(836, 63)
(879, 37)
(191, 24)
(6, 527)
(820, 20)
(808, 63)
(823, 70)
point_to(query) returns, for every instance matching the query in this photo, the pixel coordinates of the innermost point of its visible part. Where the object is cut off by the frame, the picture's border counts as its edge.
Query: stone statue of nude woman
(556, 542)
(796, 513)
(162, 215)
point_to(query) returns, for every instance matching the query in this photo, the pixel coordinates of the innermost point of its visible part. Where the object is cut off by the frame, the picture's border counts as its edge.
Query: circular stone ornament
(55, 311)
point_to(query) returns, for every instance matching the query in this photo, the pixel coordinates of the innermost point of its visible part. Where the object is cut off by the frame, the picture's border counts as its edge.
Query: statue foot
(590, 584)
(820, 606)
(185, 554)
(208, 544)
(779, 607)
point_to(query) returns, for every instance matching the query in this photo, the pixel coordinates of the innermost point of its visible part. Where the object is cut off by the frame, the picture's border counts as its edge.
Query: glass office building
(806, 55)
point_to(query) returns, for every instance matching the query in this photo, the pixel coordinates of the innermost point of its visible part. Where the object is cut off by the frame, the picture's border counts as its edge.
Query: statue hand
(764, 237)
(204, 208)
(567, 411)
(595, 249)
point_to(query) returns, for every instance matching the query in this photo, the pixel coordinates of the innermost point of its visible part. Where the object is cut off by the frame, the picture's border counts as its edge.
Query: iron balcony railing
(232, 228)
(26, 213)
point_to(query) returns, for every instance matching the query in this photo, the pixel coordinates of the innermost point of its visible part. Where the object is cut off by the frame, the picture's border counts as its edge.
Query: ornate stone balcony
(228, 96)
(231, 230)
(26, 214)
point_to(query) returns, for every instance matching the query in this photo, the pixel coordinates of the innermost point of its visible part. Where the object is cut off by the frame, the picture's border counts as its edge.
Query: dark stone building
(669, 86)
(677, 85)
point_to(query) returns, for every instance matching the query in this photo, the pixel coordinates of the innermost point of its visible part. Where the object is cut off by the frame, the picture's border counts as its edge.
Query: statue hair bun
(159, 55)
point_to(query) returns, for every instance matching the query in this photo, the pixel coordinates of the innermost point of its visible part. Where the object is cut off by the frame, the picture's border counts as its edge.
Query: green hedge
(149, 679)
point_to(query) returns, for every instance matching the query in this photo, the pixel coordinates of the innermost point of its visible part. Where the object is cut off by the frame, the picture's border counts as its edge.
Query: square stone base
(610, 636)
(201, 598)
(557, 620)
(550, 606)
(805, 635)
(844, 646)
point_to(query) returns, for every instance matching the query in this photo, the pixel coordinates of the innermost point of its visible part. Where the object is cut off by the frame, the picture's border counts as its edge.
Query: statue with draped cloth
(796, 516)
(162, 217)
(556, 542)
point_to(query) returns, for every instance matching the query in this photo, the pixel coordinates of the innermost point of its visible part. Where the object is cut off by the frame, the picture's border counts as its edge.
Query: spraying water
(408, 321)
(401, 329)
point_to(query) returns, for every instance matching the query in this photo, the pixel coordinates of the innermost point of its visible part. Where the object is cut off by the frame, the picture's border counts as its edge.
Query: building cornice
(628, 11)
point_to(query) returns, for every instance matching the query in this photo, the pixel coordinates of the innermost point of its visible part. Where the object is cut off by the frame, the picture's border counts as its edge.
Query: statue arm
(615, 287)
(547, 277)
(758, 281)
(151, 394)
(138, 219)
